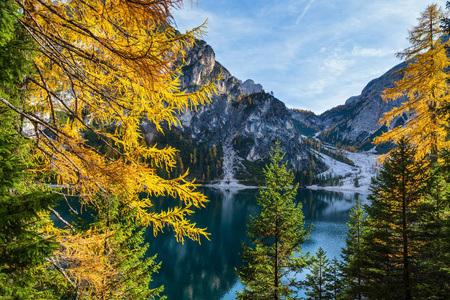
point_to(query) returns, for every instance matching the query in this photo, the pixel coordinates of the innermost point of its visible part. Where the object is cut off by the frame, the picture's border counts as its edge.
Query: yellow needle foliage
(425, 84)
(89, 263)
(110, 63)
(101, 67)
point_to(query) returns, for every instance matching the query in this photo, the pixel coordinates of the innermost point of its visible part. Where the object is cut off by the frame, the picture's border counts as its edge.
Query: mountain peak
(250, 87)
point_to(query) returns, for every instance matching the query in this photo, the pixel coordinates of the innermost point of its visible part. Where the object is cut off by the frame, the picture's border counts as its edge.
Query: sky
(313, 54)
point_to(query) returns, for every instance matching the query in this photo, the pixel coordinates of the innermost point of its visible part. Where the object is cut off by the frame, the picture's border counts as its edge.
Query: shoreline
(363, 190)
(229, 187)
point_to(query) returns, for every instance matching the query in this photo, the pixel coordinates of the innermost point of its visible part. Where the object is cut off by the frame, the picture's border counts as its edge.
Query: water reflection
(326, 205)
(207, 271)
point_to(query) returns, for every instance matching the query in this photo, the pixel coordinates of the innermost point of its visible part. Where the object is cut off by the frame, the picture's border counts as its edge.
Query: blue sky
(313, 54)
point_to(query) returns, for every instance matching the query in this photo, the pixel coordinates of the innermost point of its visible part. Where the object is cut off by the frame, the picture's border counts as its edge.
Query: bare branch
(57, 215)
(60, 270)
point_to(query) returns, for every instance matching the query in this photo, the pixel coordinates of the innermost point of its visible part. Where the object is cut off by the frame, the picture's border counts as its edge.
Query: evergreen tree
(317, 281)
(276, 235)
(356, 181)
(391, 246)
(24, 205)
(353, 253)
(334, 280)
(434, 232)
(126, 273)
(97, 63)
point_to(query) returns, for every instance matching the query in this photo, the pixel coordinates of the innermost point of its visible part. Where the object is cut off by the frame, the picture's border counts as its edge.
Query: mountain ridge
(356, 122)
(242, 120)
(242, 123)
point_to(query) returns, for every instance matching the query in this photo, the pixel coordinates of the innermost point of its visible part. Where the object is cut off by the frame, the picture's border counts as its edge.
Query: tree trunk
(406, 274)
(276, 262)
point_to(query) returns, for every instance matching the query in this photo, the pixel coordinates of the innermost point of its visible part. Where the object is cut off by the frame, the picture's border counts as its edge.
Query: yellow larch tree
(425, 84)
(100, 67)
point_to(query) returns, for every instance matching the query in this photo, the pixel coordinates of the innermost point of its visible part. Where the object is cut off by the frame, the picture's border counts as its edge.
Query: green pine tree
(24, 205)
(276, 237)
(334, 280)
(434, 232)
(391, 245)
(353, 253)
(317, 282)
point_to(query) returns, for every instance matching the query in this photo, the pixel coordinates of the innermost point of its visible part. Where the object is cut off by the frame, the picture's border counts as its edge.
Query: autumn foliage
(425, 84)
(102, 67)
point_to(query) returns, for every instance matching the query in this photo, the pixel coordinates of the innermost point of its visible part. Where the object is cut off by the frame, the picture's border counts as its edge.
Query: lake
(207, 271)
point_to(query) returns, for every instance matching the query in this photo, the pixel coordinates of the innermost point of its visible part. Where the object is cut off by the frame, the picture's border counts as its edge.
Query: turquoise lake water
(207, 271)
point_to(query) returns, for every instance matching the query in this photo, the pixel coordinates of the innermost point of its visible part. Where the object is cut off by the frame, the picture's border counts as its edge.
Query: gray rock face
(250, 87)
(257, 119)
(357, 121)
(262, 119)
(352, 100)
(307, 118)
(247, 121)
(201, 67)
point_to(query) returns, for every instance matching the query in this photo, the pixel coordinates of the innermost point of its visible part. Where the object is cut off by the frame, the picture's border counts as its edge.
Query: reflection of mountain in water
(332, 206)
(206, 271)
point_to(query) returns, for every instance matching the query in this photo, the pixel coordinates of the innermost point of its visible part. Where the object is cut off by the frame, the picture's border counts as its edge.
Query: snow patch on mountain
(365, 168)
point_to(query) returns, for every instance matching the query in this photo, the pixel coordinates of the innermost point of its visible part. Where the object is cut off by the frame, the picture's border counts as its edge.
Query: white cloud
(305, 10)
(316, 87)
(336, 66)
(372, 52)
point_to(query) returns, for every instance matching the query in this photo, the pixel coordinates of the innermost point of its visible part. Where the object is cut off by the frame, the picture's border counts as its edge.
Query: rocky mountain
(230, 138)
(250, 87)
(242, 123)
(356, 122)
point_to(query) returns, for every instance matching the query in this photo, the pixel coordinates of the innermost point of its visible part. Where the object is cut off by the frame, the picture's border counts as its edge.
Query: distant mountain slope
(250, 87)
(231, 137)
(356, 122)
(258, 118)
(242, 120)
